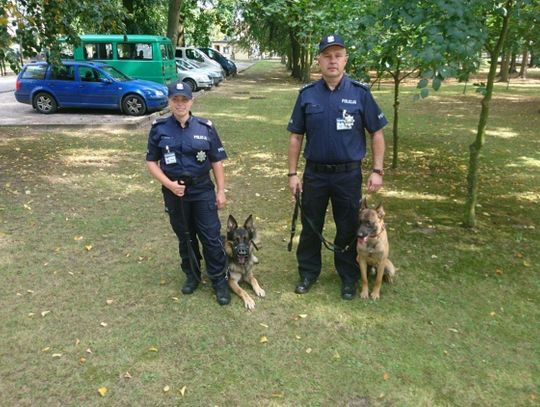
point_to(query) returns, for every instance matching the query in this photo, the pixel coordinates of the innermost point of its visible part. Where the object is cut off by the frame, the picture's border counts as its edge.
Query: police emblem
(348, 119)
(201, 156)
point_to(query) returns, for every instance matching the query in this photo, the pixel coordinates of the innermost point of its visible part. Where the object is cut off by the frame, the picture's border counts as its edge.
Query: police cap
(330, 40)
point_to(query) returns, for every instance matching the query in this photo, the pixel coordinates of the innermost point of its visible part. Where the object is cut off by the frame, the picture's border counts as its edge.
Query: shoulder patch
(306, 86)
(205, 122)
(360, 84)
(159, 120)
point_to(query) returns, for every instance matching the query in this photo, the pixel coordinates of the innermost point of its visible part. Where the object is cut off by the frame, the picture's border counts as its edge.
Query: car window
(178, 53)
(88, 74)
(34, 72)
(191, 54)
(128, 50)
(63, 73)
(97, 51)
(115, 74)
(166, 51)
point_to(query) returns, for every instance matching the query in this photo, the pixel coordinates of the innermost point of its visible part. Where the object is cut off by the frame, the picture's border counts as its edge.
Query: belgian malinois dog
(372, 248)
(239, 246)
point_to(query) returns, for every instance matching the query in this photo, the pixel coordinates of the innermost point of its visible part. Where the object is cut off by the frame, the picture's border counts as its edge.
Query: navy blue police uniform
(334, 122)
(186, 154)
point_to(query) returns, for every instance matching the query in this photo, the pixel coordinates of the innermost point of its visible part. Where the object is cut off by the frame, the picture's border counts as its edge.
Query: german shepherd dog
(372, 248)
(239, 246)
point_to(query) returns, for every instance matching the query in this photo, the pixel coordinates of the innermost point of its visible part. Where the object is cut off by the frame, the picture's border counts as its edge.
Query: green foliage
(146, 16)
(39, 23)
(201, 19)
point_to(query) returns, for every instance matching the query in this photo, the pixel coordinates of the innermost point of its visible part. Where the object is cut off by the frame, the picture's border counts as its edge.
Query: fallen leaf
(102, 391)
(103, 324)
(492, 313)
(309, 350)
(302, 315)
(88, 350)
(298, 337)
(183, 391)
(43, 313)
(109, 302)
(31, 314)
(175, 299)
(526, 263)
(56, 355)
(153, 349)
(263, 325)
(46, 349)
(499, 272)
(30, 291)
(77, 341)
(166, 389)
(127, 375)
(88, 247)
(453, 330)
(82, 360)
(263, 339)
(336, 355)
(78, 238)
(386, 376)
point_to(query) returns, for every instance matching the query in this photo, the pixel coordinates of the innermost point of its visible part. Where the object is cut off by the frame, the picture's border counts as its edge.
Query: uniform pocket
(314, 109)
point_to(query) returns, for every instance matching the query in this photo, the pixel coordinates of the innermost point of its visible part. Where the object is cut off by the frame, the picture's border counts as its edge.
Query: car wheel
(191, 83)
(45, 103)
(134, 105)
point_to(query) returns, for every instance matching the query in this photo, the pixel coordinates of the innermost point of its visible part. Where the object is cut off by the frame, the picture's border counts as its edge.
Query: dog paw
(260, 292)
(249, 303)
(375, 295)
(364, 294)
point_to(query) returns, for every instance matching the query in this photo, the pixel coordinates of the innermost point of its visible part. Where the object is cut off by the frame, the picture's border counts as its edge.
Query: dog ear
(364, 204)
(248, 224)
(232, 224)
(380, 210)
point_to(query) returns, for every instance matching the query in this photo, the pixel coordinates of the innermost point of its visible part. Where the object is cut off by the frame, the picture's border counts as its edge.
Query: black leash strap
(294, 218)
(329, 245)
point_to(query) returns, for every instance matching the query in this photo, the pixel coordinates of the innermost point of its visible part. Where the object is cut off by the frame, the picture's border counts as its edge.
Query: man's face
(332, 62)
(180, 105)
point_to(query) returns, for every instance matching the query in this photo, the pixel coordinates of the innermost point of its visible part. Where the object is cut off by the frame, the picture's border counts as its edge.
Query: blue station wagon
(88, 85)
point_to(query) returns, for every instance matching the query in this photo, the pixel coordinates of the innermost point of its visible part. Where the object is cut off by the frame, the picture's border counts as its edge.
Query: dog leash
(294, 218)
(193, 261)
(329, 245)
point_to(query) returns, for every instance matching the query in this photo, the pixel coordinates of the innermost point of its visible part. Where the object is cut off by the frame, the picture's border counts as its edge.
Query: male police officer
(182, 149)
(333, 113)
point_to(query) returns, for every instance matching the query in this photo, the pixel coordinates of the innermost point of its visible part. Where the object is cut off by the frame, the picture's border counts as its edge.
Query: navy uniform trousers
(203, 223)
(343, 190)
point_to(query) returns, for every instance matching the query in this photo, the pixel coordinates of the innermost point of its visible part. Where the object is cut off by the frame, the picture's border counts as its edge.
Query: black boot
(191, 284)
(223, 295)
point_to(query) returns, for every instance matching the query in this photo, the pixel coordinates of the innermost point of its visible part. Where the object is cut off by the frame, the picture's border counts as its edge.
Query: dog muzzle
(241, 252)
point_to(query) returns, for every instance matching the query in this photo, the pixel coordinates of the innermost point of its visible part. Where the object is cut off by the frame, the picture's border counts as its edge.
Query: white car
(216, 76)
(195, 80)
(196, 55)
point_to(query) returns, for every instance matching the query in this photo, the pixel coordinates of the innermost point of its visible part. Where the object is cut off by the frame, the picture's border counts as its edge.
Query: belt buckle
(330, 168)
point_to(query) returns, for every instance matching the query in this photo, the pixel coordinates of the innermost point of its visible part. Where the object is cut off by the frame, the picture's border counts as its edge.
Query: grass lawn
(90, 276)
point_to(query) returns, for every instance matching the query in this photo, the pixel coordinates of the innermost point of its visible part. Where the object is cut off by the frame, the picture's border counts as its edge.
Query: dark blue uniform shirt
(194, 149)
(317, 112)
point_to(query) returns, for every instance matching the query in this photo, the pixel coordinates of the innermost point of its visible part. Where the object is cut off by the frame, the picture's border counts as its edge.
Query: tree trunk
(476, 146)
(524, 64)
(295, 53)
(505, 62)
(395, 134)
(512, 69)
(173, 18)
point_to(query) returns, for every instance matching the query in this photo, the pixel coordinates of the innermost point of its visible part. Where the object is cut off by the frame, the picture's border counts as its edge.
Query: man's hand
(295, 185)
(374, 182)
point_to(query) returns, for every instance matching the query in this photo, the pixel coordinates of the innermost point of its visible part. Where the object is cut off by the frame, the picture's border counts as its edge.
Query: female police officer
(182, 149)
(333, 113)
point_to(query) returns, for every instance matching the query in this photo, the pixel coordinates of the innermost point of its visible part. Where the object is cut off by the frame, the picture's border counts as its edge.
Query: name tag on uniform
(169, 156)
(346, 122)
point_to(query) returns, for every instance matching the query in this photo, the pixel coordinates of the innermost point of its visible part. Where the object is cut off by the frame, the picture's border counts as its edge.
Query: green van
(149, 57)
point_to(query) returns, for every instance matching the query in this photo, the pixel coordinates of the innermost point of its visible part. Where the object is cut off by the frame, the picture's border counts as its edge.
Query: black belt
(189, 180)
(333, 168)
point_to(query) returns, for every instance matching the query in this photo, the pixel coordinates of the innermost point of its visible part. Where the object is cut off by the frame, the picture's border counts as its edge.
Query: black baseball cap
(330, 40)
(180, 88)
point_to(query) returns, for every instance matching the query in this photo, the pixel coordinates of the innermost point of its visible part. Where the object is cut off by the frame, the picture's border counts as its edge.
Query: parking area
(22, 115)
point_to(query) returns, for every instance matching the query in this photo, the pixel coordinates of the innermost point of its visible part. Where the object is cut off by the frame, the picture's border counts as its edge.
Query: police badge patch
(201, 156)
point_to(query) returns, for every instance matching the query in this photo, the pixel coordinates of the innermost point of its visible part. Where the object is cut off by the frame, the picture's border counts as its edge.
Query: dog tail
(389, 271)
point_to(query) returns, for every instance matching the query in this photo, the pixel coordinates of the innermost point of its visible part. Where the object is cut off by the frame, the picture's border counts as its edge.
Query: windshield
(183, 64)
(115, 73)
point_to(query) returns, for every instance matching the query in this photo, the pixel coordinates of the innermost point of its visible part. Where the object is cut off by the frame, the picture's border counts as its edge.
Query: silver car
(215, 74)
(196, 80)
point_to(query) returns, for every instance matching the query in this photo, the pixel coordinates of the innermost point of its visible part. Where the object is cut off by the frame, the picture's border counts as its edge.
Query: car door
(63, 85)
(96, 89)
